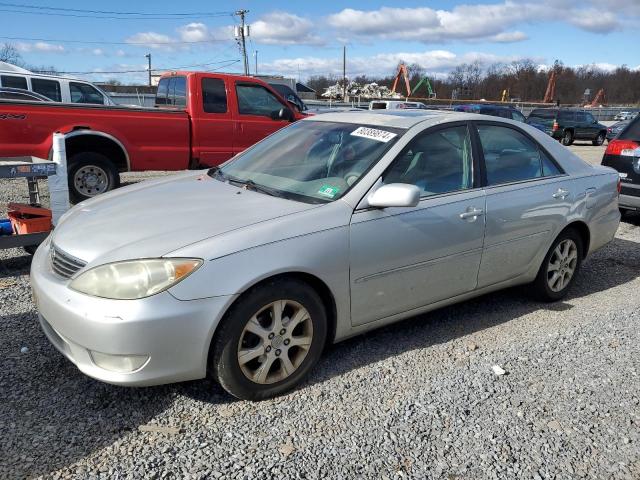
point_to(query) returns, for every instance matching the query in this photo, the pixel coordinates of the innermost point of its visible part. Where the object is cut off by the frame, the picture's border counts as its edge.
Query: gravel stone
(412, 400)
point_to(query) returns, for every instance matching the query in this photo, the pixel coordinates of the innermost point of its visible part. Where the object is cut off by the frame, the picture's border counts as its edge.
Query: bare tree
(10, 54)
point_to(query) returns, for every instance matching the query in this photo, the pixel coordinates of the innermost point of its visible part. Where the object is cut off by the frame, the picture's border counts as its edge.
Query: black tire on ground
(541, 289)
(96, 166)
(567, 138)
(224, 364)
(30, 249)
(599, 140)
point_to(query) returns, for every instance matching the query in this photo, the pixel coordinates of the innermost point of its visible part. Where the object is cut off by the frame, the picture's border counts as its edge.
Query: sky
(300, 39)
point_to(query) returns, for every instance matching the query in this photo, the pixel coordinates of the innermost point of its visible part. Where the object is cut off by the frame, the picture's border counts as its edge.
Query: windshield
(310, 161)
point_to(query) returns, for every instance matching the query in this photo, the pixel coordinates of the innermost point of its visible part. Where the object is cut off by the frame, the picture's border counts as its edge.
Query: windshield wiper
(215, 172)
(251, 185)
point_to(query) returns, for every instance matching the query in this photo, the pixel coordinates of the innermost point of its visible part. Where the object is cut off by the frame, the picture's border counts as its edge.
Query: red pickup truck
(200, 119)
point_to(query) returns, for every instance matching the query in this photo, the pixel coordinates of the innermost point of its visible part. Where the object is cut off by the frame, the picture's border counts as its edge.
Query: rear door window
(214, 95)
(589, 118)
(567, 116)
(12, 81)
(511, 156)
(48, 88)
(85, 93)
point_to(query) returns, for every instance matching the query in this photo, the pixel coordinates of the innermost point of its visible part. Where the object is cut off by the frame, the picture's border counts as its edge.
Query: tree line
(523, 80)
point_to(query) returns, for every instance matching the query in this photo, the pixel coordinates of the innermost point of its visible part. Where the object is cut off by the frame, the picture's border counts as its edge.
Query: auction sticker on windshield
(373, 134)
(328, 191)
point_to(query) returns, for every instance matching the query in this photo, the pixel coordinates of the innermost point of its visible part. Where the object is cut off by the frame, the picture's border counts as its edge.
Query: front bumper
(173, 334)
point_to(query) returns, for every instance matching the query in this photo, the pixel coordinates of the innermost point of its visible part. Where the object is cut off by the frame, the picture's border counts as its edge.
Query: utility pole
(148, 55)
(344, 73)
(242, 33)
(256, 55)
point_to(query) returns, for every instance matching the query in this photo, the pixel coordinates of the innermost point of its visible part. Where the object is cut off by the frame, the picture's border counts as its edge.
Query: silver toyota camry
(333, 226)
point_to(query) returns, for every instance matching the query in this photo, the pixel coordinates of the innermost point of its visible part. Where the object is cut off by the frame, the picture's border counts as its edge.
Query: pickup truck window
(256, 100)
(48, 88)
(84, 93)
(12, 81)
(161, 94)
(214, 95)
(179, 91)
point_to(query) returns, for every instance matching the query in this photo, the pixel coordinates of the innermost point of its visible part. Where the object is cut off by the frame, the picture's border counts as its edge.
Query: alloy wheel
(275, 341)
(562, 265)
(91, 180)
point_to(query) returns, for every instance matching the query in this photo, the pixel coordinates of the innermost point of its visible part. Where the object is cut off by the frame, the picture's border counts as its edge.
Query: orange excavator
(402, 71)
(598, 100)
(551, 87)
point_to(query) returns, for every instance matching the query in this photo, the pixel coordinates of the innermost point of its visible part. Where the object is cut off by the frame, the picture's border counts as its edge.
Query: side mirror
(283, 114)
(395, 195)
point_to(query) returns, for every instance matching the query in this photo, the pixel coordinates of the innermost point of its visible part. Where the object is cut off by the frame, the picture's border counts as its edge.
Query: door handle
(474, 212)
(561, 194)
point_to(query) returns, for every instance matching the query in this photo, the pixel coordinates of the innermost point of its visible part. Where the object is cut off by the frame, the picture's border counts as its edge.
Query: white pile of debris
(368, 90)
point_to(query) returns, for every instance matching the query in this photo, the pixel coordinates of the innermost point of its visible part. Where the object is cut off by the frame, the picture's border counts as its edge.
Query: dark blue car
(504, 111)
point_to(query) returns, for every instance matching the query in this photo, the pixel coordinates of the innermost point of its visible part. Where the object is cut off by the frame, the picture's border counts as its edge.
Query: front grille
(64, 264)
(634, 192)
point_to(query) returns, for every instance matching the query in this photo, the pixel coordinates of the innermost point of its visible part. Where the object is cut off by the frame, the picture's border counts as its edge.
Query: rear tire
(599, 140)
(567, 138)
(269, 340)
(560, 267)
(90, 174)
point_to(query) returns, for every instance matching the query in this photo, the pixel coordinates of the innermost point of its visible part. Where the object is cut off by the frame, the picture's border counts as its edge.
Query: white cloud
(509, 37)
(97, 52)
(153, 40)
(194, 32)
(39, 47)
(595, 21)
(281, 28)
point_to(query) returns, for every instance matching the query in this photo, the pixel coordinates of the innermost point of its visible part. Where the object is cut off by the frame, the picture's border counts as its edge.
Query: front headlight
(134, 279)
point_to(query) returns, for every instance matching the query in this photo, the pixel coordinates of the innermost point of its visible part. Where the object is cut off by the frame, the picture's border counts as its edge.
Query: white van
(395, 104)
(58, 89)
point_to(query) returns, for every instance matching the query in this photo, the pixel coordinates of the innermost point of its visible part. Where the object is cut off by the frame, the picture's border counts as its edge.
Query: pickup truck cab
(200, 120)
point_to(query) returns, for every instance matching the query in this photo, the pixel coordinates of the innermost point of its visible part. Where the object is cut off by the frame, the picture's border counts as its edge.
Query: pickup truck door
(255, 107)
(213, 129)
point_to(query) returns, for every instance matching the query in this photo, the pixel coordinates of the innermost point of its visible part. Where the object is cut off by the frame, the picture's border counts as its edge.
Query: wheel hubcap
(275, 342)
(90, 180)
(562, 265)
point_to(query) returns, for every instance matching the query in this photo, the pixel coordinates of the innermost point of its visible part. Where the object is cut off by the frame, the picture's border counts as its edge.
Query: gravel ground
(417, 399)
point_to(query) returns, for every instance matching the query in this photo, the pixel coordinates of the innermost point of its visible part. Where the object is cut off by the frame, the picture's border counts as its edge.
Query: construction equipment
(402, 71)
(505, 95)
(425, 81)
(599, 99)
(551, 87)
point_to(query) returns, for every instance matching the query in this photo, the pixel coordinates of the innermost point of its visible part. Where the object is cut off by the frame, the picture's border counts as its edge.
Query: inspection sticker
(328, 191)
(373, 134)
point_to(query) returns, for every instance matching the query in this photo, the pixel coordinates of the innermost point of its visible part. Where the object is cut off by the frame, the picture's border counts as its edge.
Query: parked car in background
(20, 94)
(54, 87)
(567, 125)
(336, 225)
(504, 111)
(202, 119)
(290, 96)
(623, 154)
(395, 104)
(625, 116)
(616, 128)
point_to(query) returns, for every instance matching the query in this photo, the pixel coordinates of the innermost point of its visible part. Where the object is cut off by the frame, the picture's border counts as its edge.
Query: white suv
(57, 88)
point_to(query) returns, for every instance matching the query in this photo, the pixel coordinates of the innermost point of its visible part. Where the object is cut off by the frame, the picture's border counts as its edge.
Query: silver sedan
(336, 225)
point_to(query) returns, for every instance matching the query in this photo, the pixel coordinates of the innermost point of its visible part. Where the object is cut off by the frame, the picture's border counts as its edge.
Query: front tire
(559, 267)
(90, 174)
(567, 138)
(269, 340)
(599, 140)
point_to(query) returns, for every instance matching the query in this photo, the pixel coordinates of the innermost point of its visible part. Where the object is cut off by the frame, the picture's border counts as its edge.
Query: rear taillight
(621, 147)
(555, 126)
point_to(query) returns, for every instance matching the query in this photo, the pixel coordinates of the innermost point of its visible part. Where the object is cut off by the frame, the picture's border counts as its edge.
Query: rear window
(378, 106)
(12, 81)
(161, 93)
(214, 95)
(544, 114)
(632, 131)
(48, 88)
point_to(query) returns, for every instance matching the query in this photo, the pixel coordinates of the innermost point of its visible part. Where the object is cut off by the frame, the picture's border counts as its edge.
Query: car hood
(151, 219)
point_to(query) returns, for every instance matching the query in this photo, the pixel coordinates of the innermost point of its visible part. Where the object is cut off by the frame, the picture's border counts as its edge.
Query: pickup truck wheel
(91, 174)
(567, 138)
(599, 140)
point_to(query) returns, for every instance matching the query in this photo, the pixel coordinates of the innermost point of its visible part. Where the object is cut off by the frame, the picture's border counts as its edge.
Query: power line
(228, 62)
(111, 12)
(99, 42)
(112, 17)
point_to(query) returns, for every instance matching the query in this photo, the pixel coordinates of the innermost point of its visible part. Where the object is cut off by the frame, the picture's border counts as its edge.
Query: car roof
(396, 118)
